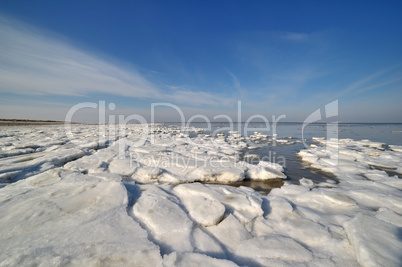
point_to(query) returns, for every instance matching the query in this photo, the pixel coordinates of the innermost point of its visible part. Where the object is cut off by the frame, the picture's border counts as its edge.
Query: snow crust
(87, 203)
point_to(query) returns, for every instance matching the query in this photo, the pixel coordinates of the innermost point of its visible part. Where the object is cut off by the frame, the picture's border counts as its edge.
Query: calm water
(389, 133)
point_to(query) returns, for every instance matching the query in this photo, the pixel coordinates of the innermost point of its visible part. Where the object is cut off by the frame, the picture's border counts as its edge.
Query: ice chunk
(396, 148)
(88, 164)
(223, 175)
(203, 210)
(274, 247)
(376, 175)
(148, 173)
(306, 182)
(124, 167)
(230, 232)
(167, 221)
(271, 165)
(249, 157)
(337, 198)
(376, 243)
(64, 218)
(194, 259)
(262, 172)
(203, 242)
(246, 207)
(389, 216)
(280, 208)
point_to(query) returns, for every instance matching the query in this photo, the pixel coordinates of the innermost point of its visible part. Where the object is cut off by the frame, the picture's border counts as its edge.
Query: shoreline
(24, 122)
(12, 122)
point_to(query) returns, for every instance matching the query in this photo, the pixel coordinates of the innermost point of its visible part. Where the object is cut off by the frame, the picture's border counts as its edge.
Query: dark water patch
(263, 187)
(295, 168)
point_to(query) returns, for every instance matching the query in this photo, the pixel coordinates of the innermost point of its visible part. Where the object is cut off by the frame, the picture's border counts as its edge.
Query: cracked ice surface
(115, 203)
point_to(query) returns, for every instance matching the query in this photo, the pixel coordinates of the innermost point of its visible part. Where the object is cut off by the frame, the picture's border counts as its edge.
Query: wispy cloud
(293, 36)
(200, 98)
(379, 85)
(35, 62)
(236, 84)
(373, 81)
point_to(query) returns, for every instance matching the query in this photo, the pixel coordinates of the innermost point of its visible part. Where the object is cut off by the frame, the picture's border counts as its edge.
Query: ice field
(165, 199)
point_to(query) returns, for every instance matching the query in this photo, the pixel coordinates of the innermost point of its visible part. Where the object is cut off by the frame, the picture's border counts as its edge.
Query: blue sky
(283, 57)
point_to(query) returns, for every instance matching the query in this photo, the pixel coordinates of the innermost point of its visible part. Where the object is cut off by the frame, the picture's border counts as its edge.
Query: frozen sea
(162, 195)
(296, 169)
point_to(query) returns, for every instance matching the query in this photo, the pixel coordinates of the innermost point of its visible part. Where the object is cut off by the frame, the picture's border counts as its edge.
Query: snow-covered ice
(125, 202)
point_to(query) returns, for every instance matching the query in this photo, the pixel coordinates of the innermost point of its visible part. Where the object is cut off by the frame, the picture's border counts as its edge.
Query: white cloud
(200, 98)
(294, 36)
(373, 81)
(379, 85)
(35, 62)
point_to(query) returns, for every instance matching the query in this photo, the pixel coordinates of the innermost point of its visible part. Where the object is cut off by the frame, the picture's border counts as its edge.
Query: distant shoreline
(16, 122)
(22, 122)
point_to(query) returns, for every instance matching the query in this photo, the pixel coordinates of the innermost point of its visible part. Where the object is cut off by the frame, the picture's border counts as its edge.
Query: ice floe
(123, 202)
